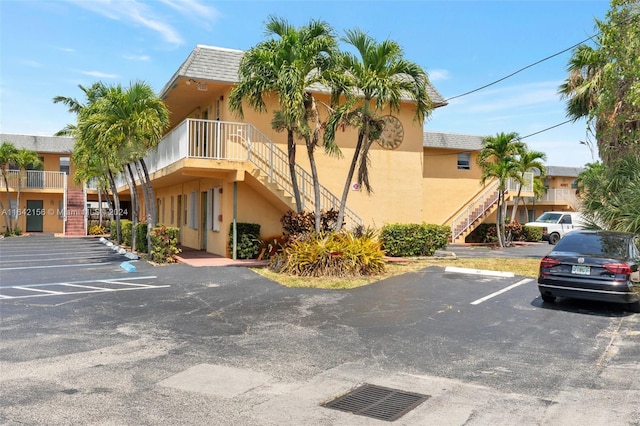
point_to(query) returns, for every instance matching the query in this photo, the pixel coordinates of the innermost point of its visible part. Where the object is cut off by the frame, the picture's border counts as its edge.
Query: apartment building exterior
(212, 167)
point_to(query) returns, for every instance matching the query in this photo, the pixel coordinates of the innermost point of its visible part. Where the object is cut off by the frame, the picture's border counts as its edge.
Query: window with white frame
(464, 161)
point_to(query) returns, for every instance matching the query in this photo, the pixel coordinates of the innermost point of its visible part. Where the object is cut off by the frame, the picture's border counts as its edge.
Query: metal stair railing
(474, 210)
(274, 162)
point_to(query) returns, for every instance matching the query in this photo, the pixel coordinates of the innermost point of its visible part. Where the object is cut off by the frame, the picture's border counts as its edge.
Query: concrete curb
(455, 269)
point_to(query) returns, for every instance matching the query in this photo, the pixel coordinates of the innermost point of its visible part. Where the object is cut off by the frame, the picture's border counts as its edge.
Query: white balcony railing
(34, 179)
(229, 141)
(564, 196)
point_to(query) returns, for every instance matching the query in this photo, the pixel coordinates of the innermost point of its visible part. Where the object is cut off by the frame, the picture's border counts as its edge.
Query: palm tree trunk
(499, 219)
(99, 205)
(515, 203)
(18, 198)
(347, 184)
(116, 207)
(316, 184)
(151, 221)
(133, 190)
(291, 148)
(8, 217)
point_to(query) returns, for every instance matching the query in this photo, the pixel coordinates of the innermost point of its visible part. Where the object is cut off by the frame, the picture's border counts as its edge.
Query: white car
(556, 224)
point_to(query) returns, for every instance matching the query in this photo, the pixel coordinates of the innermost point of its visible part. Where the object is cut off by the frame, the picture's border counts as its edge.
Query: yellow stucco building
(211, 166)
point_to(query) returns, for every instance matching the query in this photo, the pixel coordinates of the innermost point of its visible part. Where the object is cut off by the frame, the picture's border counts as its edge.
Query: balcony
(35, 180)
(236, 142)
(566, 197)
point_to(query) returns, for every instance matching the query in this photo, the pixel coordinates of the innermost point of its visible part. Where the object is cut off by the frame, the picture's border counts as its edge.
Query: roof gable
(221, 64)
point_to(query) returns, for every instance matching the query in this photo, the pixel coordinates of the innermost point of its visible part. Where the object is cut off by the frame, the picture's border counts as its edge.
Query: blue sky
(49, 47)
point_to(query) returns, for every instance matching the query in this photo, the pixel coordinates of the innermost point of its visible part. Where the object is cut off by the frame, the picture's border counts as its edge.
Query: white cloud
(132, 12)
(143, 58)
(99, 74)
(439, 75)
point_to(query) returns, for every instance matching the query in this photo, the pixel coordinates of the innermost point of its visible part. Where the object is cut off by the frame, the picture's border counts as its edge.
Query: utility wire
(520, 70)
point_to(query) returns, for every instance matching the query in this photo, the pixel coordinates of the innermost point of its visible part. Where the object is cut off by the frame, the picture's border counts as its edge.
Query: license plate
(581, 270)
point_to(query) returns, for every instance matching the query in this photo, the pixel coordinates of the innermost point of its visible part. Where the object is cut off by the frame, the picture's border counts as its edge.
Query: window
(464, 161)
(65, 163)
(193, 206)
(574, 184)
(172, 212)
(213, 212)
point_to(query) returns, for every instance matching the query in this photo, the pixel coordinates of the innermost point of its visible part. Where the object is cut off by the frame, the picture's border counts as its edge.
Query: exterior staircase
(75, 213)
(473, 213)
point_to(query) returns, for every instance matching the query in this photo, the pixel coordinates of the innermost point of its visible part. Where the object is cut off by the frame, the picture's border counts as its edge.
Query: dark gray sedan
(593, 265)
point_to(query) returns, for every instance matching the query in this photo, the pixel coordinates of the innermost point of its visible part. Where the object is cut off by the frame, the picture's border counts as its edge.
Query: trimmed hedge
(248, 234)
(414, 239)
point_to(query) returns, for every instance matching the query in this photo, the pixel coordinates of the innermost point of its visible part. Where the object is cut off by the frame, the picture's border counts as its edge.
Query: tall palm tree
(7, 155)
(25, 158)
(377, 78)
(288, 65)
(498, 161)
(132, 121)
(527, 161)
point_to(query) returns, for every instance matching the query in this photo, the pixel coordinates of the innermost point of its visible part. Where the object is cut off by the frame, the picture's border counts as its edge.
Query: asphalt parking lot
(225, 346)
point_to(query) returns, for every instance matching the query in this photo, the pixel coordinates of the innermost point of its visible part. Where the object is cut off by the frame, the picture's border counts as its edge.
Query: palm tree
(132, 121)
(289, 65)
(25, 158)
(377, 78)
(527, 161)
(611, 195)
(498, 161)
(7, 155)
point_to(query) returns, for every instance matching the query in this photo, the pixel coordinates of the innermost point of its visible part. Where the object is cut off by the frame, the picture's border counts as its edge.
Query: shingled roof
(452, 141)
(52, 144)
(220, 64)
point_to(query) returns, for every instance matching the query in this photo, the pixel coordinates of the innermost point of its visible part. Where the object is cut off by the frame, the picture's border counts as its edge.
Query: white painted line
(37, 289)
(479, 272)
(5, 297)
(519, 283)
(87, 286)
(85, 292)
(83, 281)
(122, 283)
(59, 266)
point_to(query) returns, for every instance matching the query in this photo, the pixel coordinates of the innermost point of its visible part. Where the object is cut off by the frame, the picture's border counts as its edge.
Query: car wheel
(554, 238)
(634, 307)
(548, 298)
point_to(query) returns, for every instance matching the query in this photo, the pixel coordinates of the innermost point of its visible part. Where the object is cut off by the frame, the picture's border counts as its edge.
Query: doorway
(35, 215)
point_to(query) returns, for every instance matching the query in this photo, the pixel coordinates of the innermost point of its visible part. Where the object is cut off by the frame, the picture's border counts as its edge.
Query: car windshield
(595, 245)
(549, 217)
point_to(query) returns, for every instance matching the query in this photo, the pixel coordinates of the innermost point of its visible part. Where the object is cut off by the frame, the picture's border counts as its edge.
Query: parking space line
(87, 286)
(79, 265)
(504, 290)
(37, 289)
(83, 292)
(124, 283)
(83, 281)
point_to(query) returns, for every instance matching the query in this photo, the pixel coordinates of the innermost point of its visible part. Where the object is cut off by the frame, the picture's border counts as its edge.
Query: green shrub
(331, 255)
(141, 237)
(164, 241)
(112, 229)
(414, 239)
(484, 233)
(248, 245)
(532, 233)
(126, 228)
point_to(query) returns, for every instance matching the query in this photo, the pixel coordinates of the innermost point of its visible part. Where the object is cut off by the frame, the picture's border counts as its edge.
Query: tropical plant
(498, 161)
(611, 195)
(289, 64)
(24, 159)
(378, 78)
(602, 82)
(7, 154)
(527, 161)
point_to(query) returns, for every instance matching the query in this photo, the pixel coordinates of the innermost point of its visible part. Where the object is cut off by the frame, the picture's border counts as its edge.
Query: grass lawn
(525, 267)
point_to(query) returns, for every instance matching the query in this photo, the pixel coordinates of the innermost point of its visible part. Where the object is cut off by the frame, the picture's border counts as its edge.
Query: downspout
(234, 225)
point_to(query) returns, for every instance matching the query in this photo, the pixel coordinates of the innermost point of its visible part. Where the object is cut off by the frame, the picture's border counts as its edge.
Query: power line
(520, 70)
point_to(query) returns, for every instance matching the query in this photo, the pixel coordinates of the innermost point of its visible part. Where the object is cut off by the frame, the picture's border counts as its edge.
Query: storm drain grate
(377, 402)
